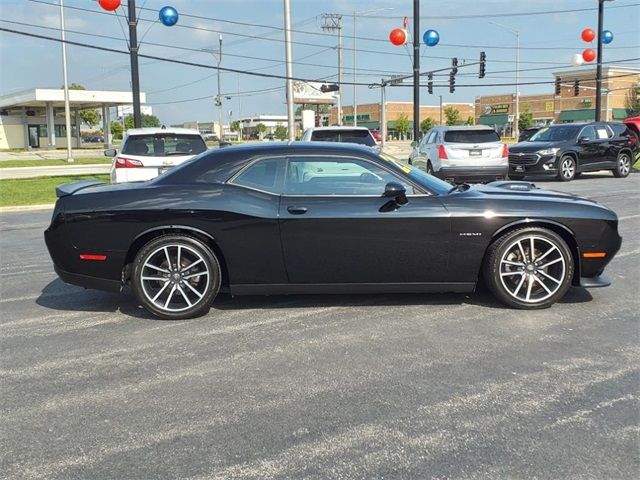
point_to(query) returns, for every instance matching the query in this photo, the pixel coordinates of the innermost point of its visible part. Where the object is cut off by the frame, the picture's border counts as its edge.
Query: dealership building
(35, 118)
(498, 111)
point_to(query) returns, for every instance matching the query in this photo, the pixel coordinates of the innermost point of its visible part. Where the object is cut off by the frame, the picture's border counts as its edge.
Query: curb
(26, 208)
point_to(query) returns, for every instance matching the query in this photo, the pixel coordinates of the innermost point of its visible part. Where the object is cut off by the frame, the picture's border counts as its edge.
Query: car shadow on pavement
(59, 296)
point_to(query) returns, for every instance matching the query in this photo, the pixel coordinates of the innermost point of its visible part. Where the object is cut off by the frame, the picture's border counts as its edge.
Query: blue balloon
(607, 36)
(431, 38)
(168, 16)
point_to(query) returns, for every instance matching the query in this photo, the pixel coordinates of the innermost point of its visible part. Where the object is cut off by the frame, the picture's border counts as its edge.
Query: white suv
(145, 153)
(465, 153)
(359, 135)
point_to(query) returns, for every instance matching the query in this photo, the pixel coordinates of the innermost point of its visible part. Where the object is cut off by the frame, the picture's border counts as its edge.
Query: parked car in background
(566, 150)
(462, 154)
(269, 137)
(359, 135)
(633, 123)
(145, 153)
(377, 135)
(527, 133)
(93, 139)
(210, 137)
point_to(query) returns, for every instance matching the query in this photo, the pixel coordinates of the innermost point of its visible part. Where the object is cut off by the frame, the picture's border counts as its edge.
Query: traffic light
(576, 88)
(331, 87)
(452, 82)
(558, 86)
(483, 61)
(454, 65)
(430, 84)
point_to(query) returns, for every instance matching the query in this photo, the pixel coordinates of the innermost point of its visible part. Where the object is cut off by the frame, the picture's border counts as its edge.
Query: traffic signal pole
(599, 66)
(133, 54)
(416, 70)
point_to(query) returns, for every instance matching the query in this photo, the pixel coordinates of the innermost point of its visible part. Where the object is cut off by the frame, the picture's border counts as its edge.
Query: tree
(235, 126)
(402, 125)
(281, 132)
(471, 121)
(116, 130)
(427, 124)
(261, 128)
(452, 115)
(147, 121)
(90, 118)
(632, 102)
(526, 119)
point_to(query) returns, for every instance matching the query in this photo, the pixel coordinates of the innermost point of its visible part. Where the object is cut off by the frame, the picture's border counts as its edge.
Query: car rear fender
(148, 235)
(562, 230)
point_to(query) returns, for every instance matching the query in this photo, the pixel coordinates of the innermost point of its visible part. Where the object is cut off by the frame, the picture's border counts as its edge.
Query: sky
(256, 43)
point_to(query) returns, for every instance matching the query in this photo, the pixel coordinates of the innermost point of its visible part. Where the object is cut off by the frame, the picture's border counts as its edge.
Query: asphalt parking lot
(385, 386)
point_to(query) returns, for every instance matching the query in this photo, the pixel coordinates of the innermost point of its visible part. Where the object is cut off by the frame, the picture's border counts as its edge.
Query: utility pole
(287, 37)
(383, 111)
(440, 109)
(515, 131)
(67, 112)
(332, 22)
(219, 97)
(133, 54)
(599, 60)
(416, 70)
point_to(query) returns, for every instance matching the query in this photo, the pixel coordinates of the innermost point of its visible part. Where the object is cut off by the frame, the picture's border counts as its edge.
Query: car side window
(337, 176)
(265, 175)
(588, 132)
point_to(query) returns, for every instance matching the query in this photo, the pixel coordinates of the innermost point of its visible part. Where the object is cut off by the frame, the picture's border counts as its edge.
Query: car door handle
(297, 210)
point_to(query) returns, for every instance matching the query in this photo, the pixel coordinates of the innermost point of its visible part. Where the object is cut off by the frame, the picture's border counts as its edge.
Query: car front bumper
(535, 164)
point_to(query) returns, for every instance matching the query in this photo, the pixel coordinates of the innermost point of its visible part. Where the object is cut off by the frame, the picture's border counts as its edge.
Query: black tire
(202, 287)
(623, 165)
(429, 167)
(567, 168)
(513, 176)
(506, 282)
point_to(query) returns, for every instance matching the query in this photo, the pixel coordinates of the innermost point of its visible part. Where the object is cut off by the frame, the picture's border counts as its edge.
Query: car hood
(527, 147)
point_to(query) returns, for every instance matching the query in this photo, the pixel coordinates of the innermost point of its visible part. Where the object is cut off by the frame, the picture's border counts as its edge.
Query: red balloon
(109, 5)
(588, 35)
(398, 36)
(589, 55)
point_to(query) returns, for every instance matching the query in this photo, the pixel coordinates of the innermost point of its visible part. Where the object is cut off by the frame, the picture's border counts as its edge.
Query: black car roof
(259, 148)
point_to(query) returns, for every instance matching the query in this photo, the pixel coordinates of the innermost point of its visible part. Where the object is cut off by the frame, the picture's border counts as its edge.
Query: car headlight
(548, 151)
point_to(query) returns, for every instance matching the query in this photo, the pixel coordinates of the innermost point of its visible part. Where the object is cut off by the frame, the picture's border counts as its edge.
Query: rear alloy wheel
(623, 165)
(429, 167)
(567, 168)
(176, 277)
(529, 268)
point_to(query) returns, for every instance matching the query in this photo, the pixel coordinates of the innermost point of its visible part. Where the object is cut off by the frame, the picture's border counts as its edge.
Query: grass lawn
(37, 191)
(54, 162)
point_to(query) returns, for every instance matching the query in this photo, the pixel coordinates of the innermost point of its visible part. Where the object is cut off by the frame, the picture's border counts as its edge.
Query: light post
(599, 65)
(287, 37)
(355, 87)
(217, 53)
(516, 129)
(67, 113)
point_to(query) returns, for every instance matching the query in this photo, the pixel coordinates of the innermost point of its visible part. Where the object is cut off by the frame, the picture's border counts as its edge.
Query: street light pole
(599, 60)
(289, 70)
(416, 70)
(133, 54)
(219, 97)
(515, 131)
(67, 112)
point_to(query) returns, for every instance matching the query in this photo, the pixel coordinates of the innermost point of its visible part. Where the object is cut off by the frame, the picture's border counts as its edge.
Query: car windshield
(361, 137)
(163, 145)
(429, 182)
(556, 133)
(471, 136)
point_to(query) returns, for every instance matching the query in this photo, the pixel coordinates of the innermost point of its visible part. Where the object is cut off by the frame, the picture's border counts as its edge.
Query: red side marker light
(86, 256)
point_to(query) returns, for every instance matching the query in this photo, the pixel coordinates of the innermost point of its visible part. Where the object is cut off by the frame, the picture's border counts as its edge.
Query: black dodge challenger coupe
(323, 218)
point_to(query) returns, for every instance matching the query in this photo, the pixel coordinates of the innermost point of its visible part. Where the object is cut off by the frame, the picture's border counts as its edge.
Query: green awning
(580, 115)
(495, 119)
(620, 113)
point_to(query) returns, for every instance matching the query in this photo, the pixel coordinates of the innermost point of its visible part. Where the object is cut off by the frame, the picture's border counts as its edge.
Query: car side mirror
(582, 140)
(111, 152)
(396, 191)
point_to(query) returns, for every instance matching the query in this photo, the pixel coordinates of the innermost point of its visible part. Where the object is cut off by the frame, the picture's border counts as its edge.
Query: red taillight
(505, 150)
(87, 256)
(122, 162)
(442, 153)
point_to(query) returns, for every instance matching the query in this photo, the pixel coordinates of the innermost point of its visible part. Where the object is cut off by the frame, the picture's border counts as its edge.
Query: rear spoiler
(71, 188)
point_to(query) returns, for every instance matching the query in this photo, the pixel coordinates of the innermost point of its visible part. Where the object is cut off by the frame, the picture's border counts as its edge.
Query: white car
(359, 135)
(462, 154)
(145, 153)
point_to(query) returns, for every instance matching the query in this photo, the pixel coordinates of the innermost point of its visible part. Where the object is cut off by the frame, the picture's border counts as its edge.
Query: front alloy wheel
(567, 170)
(176, 277)
(529, 268)
(623, 165)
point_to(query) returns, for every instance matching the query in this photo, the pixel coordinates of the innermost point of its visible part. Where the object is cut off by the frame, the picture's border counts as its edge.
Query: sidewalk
(50, 154)
(30, 172)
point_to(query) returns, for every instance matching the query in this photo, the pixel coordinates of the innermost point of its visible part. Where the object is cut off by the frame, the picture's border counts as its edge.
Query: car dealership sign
(311, 92)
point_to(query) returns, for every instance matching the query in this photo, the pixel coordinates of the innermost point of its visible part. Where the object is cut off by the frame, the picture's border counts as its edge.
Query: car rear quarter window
(471, 136)
(361, 137)
(163, 144)
(265, 175)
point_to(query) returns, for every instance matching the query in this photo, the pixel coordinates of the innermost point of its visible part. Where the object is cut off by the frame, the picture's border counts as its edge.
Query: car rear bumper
(473, 174)
(87, 281)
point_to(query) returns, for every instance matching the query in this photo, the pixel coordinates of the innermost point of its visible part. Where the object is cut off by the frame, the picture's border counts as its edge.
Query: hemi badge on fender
(594, 254)
(86, 256)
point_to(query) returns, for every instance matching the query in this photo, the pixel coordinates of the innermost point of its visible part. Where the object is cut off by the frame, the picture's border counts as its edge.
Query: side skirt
(338, 288)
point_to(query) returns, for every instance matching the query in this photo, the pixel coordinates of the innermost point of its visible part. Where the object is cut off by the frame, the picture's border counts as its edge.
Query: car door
(336, 227)
(588, 149)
